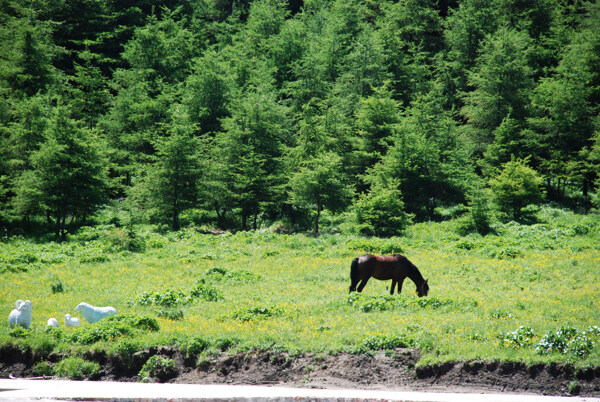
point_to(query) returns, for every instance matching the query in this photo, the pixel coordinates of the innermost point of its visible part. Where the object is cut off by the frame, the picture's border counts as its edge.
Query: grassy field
(526, 293)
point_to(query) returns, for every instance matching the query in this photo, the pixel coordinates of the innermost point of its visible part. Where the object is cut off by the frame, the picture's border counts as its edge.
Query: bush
(158, 367)
(42, 369)
(254, 313)
(195, 346)
(520, 337)
(567, 340)
(76, 368)
(386, 342)
(205, 292)
(114, 327)
(515, 188)
(381, 212)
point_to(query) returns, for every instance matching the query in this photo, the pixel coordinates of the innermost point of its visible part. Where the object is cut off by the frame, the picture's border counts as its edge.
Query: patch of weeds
(432, 302)
(477, 337)
(521, 337)
(42, 369)
(158, 367)
(19, 332)
(195, 346)
(385, 342)
(173, 298)
(173, 315)
(574, 387)
(367, 303)
(238, 276)
(224, 344)
(567, 340)
(76, 368)
(168, 298)
(57, 287)
(204, 291)
(255, 313)
(114, 327)
(376, 246)
(500, 314)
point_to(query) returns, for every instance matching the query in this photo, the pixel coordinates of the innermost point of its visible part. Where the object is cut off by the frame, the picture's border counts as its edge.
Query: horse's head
(423, 289)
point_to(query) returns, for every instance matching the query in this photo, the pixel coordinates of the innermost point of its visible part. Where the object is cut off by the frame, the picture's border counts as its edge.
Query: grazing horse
(385, 267)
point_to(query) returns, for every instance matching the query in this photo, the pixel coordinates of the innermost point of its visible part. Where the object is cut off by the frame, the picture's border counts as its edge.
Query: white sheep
(21, 315)
(52, 322)
(71, 321)
(94, 314)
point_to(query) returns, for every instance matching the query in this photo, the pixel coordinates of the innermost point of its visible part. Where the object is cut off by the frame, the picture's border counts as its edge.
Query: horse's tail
(354, 275)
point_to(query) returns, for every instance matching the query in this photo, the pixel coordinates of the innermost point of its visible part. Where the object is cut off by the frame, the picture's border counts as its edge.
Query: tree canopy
(264, 111)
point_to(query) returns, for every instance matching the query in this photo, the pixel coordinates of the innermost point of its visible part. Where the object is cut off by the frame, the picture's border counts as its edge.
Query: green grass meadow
(260, 290)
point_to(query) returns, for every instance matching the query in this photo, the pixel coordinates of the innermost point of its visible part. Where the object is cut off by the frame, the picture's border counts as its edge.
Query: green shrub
(19, 332)
(381, 212)
(255, 313)
(42, 369)
(196, 345)
(158, 367)
(76, 368)
(114, 327)
(205, 292)
(566, 340)
(224, 344)
(522, 336)
(386, 342)
(516, 187)
(168, 298)
(376, 246)
(367, 303)
(173, 315)
(238, 276)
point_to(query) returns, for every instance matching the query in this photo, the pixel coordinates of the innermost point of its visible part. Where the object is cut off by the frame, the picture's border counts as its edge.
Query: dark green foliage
(568, 340)
(112, 328)
(272, 111)
(158, 367)
(76, 368)
(386, 342)
(381, 212)
(516, 187)
(256, 313)
(521, 337)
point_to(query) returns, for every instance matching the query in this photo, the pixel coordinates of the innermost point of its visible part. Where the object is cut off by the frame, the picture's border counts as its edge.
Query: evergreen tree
(175, 178)
(68, 174)
(319, 185)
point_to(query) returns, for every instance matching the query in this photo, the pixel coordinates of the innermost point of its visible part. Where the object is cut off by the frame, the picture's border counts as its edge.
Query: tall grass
(291, 291)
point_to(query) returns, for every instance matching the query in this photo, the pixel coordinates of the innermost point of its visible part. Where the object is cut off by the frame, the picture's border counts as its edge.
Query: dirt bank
(393, 370)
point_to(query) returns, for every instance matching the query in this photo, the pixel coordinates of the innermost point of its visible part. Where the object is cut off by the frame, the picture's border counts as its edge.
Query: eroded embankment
(397, 370)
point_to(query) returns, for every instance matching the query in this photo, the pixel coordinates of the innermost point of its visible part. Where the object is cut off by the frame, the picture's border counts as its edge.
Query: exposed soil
(394, 370)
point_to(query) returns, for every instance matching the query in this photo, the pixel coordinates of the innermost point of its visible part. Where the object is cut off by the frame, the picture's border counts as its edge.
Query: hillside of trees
(248, 113)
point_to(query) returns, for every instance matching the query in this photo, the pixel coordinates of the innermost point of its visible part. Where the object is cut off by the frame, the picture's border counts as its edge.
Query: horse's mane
(414, 273)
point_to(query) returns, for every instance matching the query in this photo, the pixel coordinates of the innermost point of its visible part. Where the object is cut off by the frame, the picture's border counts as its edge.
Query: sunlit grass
(307, 280)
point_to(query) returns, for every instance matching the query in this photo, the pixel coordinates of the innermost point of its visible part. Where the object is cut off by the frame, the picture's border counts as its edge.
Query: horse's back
(382, 267)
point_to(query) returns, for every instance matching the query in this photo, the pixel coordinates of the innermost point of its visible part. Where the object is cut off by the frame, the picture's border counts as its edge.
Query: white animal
(21, 315)
(52, 322)
(94, 314)
(71, 321)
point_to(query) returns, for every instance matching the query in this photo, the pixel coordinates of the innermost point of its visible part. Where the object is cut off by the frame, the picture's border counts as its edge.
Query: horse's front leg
(362, 284)
(393, 286)
(400, 282)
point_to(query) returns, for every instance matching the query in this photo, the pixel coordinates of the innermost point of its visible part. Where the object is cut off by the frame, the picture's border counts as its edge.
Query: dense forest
(245, 114)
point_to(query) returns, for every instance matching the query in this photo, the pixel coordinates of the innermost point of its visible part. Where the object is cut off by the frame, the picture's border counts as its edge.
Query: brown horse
(385, 267)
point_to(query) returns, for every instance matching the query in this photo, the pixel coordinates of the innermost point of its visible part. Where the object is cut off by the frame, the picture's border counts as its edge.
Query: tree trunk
(317, 220)
(244, 219)
(175, 222)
